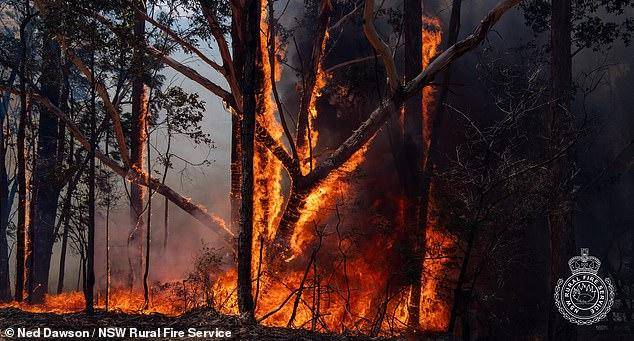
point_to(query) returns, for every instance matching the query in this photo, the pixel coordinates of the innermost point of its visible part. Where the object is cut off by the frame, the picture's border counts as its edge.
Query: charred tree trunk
(237, 36)
(20, 271)
(251, 86)
(46, 189)
(558, 123)
(6, 200)
(411, 158)
(5, 290)
(148, 235)
(90, 247)
(138, 141)
(236, 172)
(62, 256)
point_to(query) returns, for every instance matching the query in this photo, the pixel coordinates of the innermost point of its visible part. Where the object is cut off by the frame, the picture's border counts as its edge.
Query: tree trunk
(251, 87)
(90, 247)
(236, 172)
(459, 296)
(65, 215)
(436, 127)
(237, 33)
(138, 141)
(412, 157)
(148, 235)
(280, 249)
(6, 201)
(558, 121)
(5, 290)
(62, 256)
(46, 187)
(20, 271)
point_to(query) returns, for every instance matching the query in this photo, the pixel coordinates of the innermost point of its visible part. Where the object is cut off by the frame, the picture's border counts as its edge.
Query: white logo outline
(583, 286)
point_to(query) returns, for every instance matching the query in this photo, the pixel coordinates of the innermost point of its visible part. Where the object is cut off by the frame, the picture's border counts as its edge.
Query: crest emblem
(584, 298)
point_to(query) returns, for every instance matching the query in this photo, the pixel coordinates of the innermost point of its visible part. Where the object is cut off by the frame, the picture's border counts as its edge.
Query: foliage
(597, 24)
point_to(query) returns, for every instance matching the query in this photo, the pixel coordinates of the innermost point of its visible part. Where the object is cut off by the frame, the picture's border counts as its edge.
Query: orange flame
(321, 303)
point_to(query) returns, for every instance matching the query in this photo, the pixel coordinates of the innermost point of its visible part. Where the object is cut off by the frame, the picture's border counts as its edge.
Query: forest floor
(200, 320)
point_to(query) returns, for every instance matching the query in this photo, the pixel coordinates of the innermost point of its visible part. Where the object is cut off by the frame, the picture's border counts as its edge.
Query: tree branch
(176, 65)
(310, 75)
(272, 63)
(184, 43)
(105, 97)
(380, 115)
(381, 47)
(262, 134)
(225, 53)
(133, 174)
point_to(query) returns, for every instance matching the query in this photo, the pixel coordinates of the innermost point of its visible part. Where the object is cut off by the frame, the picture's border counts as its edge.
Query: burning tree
(285, 181)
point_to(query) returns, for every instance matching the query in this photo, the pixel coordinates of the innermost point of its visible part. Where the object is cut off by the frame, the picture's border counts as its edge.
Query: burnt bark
(6, 200)
(89, 285)
(20, 255)
(138, 142)
(236, 128)
(236, 172)
(148, 236)
(557, 124)
(251, 86)
(46, 188)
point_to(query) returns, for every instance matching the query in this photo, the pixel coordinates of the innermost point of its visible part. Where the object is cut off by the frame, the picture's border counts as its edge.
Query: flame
(268, 196)
(346, 295)
(321, 79)
(435, 310)
(120, 300)
(431, 38)
(323, 196)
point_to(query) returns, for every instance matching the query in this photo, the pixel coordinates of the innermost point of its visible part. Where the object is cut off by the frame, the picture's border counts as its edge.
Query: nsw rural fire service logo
(584, 298)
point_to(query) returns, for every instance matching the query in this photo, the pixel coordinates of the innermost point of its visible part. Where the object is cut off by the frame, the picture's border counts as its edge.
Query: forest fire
(374, 188)
(351, 293)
